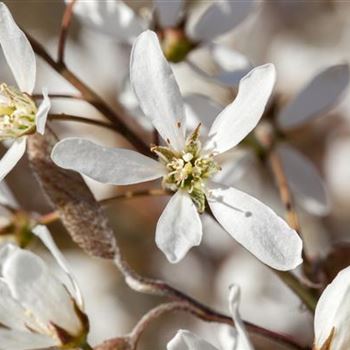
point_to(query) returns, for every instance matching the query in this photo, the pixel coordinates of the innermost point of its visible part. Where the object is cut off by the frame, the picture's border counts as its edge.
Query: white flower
(235, 339)
(36, 310)
(19, 115)
(115, 18)
(332, 315)
(315, 99)
(187, 167)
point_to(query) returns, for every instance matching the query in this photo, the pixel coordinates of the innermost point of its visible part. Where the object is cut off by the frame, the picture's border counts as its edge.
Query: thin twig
(161, 288)
(79, 119)
(66, 21)
(161, 309)
(283, 187)
(92, 97)
(136, 194)
(68, 96)
(266, 136)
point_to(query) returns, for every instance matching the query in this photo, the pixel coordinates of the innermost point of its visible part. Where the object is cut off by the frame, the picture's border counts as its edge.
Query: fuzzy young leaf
(80, 213)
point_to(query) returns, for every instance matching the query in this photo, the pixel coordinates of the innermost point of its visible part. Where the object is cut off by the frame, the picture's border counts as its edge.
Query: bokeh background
(300, 38)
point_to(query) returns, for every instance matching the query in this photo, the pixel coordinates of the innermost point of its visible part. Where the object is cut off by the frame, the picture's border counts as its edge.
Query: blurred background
(300, 38)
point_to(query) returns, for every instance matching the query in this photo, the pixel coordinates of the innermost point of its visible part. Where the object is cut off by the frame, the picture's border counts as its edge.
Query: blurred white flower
(186, 167)
(115, 18)
(19, 115)
(333, 314)
(36, 310)
(316, 98)
(234, 339)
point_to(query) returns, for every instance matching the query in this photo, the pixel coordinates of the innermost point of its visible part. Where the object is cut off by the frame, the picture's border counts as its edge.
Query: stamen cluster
(17, 113)
(188, 170)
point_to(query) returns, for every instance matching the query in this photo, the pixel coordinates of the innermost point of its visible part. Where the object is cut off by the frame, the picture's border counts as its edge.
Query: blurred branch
(133, 338)
(135, 194)
(158, 311)
(284, 191)
(115, 117)
(68, 96)
(66, 21)
(79, 119)
(161, 288)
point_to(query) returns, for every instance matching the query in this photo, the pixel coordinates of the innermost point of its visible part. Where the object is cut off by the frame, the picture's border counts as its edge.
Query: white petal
(305, 181)
(185, 340)
(6, 196)
(233, 65)
(229, 59)
(12, 156)
(18, 52)
(156, 89)
(200, 109)
(219, 18)
(333, 311)
(179, 228)
(44, 234)
(256, 227)
(42, 113)
(17, 340)
(112, 17)
(240, 117)
(317, 97)
(12, 314)
(242, 339)
(32, 283)
(168, 12)
(115, 166)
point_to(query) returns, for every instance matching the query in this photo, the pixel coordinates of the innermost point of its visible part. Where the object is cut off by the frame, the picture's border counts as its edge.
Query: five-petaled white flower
(235, 339)
(186, 166)
(19, 115)
(36, 310)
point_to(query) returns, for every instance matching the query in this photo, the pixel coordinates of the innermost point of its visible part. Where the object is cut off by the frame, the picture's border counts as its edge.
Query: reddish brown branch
(66, 21)
(93, 98)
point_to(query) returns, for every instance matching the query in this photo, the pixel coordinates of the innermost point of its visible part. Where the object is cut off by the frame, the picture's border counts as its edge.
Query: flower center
(17, 113)
(188, 170)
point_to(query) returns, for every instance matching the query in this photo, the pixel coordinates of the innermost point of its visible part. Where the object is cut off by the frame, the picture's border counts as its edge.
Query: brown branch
(66, 21)
(135, 335)
(284, 191)
(68, 96)
(161, 288)
(92, 97)
(136, 194)
(266, 136)
(79, 119)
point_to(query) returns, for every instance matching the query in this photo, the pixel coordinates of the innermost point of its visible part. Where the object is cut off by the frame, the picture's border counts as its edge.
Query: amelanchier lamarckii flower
(187, 165)
(19, 116)
(116, 19)
(37, 311)
(236, 339)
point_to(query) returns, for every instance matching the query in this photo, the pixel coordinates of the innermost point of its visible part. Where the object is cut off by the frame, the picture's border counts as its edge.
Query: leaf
(80, 213)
